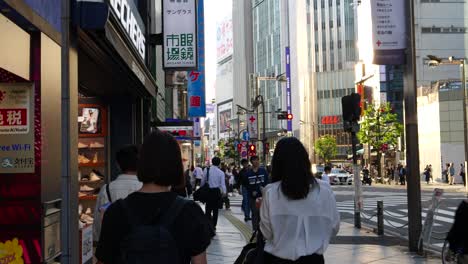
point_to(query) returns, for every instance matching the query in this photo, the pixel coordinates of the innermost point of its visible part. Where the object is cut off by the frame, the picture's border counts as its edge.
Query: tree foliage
(325, 147)
(380, 129)
(228, 149)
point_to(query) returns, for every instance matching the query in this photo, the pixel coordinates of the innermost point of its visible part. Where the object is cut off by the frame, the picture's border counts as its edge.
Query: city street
(395, 207)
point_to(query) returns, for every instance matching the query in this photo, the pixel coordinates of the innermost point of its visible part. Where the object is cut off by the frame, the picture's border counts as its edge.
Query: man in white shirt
(198, 175)
(217, 183)
(325, 175)
(125, 184)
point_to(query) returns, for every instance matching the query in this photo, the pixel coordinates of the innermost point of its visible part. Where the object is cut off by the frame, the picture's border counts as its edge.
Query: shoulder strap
(174, 210)
(207, 174)
(108, 193)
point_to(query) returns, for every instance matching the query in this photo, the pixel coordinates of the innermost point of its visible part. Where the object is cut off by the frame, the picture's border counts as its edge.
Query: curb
(242, 227)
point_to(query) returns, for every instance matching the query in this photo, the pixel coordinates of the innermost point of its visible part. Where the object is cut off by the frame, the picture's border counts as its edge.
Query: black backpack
(151, 241)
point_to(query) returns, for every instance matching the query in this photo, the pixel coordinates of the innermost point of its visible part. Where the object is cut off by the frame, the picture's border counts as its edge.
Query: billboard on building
(196, 78)
(388, 31)
(224, 119)
(180, 34)
(224, 43)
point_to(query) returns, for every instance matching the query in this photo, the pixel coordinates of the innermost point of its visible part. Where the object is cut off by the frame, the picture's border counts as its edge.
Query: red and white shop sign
(15, 109)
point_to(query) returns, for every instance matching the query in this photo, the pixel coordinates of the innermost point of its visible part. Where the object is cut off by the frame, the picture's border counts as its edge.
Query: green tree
(228, 149)
(325, 147)
(380, 129)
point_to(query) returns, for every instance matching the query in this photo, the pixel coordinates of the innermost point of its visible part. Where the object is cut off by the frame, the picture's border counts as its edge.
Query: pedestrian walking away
(154, 225)
(198, 175)
(298, 214)
(244, 184)
(257, 180)
(125, 184)
(462, 173)
(216, 181)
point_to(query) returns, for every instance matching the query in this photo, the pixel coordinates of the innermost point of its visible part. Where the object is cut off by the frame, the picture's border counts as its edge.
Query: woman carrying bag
(298, 214)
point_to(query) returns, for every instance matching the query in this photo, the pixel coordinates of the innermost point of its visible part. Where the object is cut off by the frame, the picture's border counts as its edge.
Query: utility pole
(411, 128)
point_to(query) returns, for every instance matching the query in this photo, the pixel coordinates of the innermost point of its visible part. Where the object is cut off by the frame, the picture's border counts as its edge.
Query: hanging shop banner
(196, 79)
(389, 31)
(180, 34)
(288, 87)
(16, 128)
(253, 126)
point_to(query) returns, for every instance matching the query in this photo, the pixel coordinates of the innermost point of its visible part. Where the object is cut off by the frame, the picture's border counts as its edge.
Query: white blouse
(296, 228)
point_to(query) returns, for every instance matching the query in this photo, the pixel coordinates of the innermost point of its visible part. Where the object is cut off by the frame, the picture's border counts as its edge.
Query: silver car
(340, 177)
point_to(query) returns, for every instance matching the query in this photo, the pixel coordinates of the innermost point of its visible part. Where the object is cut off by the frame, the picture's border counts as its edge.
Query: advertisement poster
(180, 34)
(16, 128)
(11, 252)
(389, 31)
(253, 126)
(196, 79)
(89, 120)
(86, 244)
(224, 41)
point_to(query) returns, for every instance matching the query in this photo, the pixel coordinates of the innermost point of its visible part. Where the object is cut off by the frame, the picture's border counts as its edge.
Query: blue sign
(246, 136)
(196, 79)
(288, 87)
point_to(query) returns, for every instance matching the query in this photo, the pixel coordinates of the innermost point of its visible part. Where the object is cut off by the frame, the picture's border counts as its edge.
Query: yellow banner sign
(11, 252)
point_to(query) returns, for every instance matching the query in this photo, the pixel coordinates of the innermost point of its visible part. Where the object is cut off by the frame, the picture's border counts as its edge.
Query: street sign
(253, 125)
(246, 136)
(429, 222)
(244, 153)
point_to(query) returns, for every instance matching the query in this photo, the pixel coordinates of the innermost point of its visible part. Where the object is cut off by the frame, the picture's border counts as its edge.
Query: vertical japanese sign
(389, 31)
(16, 128)
(288, 87)
(196, 78)
(180, 34)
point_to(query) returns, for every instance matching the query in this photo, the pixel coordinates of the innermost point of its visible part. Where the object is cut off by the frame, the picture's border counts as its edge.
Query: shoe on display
(80, 209)
(89, 212)
(86, 188)
(85, 178)
(82, 159)
(81, 225)
(82, 145)
(96, 145)
(87, 219)
(94, 177)
(80, 194)
(95, 158)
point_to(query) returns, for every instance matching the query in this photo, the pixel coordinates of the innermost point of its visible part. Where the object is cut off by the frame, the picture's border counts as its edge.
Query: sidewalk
(350, 246)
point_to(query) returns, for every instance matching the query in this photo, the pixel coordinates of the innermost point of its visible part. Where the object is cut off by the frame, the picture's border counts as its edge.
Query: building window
(339, 44)
(331, 45)
(331, 23)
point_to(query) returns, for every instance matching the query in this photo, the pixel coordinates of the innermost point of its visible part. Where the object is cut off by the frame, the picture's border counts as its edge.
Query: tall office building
(332, 52)
(270, 37)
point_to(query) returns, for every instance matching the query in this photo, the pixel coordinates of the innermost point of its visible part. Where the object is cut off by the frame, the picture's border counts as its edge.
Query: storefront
(111, 91)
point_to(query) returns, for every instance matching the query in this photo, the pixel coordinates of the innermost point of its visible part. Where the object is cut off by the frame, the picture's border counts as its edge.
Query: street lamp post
(434, 61)
(259, 101)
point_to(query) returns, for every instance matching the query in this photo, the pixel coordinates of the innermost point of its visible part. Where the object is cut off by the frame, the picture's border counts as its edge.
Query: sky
(215, 10)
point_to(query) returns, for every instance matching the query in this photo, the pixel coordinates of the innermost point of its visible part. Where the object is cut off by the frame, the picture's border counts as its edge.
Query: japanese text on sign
(388, 27)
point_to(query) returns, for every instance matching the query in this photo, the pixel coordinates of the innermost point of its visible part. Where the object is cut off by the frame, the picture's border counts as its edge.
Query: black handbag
(252, 253)
(203, 193)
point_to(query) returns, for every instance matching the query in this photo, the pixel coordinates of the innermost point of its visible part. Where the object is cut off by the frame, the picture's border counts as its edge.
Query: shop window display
(92, 172)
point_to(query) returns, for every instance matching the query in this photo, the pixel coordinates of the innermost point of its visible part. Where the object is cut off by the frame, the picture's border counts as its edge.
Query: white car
(340, 176)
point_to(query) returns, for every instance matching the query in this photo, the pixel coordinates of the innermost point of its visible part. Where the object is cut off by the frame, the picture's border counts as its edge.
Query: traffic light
(239, 147)
(290, 116)
(283, 115)
(252, 150)
(351, 107)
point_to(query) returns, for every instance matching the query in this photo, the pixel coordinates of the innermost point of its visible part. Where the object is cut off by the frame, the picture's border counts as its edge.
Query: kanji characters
(14, 118)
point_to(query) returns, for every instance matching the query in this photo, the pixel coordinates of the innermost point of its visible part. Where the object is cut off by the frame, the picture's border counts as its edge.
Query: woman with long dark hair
(298, 213)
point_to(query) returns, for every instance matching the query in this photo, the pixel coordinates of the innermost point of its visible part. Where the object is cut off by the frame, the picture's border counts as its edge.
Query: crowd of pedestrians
(146, 220)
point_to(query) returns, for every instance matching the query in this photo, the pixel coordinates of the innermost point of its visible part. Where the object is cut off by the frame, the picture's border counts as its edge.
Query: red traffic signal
(239, 147)
(290, 116)
(252, 148)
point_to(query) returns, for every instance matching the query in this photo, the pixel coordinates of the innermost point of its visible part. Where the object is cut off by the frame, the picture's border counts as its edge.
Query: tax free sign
(180, 34)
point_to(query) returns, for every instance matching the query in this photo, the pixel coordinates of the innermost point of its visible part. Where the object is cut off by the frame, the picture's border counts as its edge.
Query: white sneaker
(96, 145)
(88, 211)
(80, 194)
(81, 225)
(87, 219)
(94, 177)
(86, 188)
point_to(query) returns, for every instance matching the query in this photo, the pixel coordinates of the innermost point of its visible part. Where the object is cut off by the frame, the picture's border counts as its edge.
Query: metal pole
(357, 183)
(380, 218)
(66, 220)
(411, 128)
(463, 64)
(264, 138)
